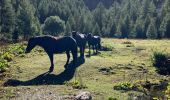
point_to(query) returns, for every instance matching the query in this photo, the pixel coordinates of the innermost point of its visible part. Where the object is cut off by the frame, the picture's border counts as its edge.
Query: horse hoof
(65, 66)
(51, 69)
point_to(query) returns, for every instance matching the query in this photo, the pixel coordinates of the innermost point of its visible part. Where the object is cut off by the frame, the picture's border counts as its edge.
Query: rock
(83, 96)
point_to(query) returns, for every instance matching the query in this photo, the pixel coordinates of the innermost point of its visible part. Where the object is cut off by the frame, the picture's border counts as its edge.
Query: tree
(152, 31)
(96, 30)
(54, 25)
(125, 28)
(99, 15)
(7, 18)
(165, 23)
(113, 30)
(28, 24)
(68, 29)
(72, 22)
(139, 31)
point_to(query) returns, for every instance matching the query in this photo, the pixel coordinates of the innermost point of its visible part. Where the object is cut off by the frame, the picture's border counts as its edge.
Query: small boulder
(83, 96)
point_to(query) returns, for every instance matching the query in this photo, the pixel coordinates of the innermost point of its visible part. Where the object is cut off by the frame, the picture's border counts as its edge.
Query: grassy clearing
(121, 61)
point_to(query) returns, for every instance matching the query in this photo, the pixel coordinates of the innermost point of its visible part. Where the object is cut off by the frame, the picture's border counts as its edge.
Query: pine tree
(28, 23)
(96, 30)
(7, 18)
(68, 29)
(99, 15)
(165, 24)
(72, 23)
(152, 30)
(139, 30)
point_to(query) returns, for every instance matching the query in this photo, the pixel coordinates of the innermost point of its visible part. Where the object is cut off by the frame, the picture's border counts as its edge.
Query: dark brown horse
(93, 41)
(53, 45)
(81, 42)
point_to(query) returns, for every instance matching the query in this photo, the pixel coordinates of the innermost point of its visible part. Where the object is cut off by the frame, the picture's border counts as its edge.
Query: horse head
(89, 36)
(31, 44)
(74, 33)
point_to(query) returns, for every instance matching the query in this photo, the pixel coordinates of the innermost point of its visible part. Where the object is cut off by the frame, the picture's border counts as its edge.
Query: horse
(81, 42)
(53, 45)
(94, 41)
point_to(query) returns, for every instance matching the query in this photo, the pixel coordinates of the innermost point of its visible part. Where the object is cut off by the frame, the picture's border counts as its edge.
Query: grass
(128, 64)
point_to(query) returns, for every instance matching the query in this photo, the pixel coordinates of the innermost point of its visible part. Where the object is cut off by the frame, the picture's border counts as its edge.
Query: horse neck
(39, 41)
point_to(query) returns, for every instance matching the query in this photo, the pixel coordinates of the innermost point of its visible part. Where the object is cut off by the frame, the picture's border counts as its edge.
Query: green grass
(127, 63)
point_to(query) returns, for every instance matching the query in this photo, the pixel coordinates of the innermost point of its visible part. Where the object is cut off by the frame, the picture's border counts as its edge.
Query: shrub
(125, 86)
(7, 56)
(17, 49)
(54, 25)
(111, 98)
(3, 65)
(75, 85)
(167, 92)
(161, 61)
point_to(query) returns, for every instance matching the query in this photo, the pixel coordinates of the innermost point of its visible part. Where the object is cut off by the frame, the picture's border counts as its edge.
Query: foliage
(75, 85)
(7, 56)
(16, 49)
(111, 98)
(8, 53)
(54, 25)
(161, 61)
(167, 92)
(3, 65)
(125, 86)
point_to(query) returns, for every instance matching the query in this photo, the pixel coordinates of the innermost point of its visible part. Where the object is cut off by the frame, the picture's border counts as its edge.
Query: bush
(111, 98)
(161, 61)
(125, 86)
(54, 25)
(7, 56)
(75, 85)
(16, 49)
(167, 92)
(3, 65)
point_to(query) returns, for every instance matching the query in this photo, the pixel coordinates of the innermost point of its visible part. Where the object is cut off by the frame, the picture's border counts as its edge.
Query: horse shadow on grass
(93, 54)
(47, 78)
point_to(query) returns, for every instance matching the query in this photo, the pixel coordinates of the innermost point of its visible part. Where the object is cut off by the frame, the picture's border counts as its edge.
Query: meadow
(121, 71)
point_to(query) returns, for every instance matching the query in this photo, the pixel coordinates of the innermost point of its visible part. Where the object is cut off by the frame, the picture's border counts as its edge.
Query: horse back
(59, 45)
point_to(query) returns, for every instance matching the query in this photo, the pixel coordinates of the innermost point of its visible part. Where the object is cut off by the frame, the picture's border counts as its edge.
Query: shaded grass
(129, 64)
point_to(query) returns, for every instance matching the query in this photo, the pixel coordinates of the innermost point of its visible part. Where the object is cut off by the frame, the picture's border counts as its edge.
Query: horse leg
(89, 50)
(99, 46)
(93, 49)
(68, 58)
(81, 51)
(96, 49)
(52, 64)
(74, 54)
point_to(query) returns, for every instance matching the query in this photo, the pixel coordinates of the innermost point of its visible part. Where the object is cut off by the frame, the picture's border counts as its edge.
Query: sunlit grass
(127, 63)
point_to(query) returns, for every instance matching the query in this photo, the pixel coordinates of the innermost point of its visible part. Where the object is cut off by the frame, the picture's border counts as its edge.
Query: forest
(21, 19)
